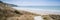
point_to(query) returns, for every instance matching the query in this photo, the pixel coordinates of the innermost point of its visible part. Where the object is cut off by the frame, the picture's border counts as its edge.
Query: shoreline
(38, 11)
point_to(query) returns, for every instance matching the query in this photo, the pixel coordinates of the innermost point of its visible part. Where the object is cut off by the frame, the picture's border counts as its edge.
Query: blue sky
(55, 3)
(34, 2)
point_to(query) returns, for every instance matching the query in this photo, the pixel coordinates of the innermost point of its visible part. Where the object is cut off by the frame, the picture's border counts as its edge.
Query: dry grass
(51, 17)
(55, 17)
(46, 17)
(22, 17)
(8, 13)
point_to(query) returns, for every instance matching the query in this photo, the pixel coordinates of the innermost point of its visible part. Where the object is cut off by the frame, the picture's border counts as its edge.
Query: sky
(54, 4)
(34, 2)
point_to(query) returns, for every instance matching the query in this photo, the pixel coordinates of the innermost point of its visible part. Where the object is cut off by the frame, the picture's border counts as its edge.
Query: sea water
(42, 9)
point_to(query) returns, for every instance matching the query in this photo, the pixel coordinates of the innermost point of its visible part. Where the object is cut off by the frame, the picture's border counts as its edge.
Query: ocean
(42, 9)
